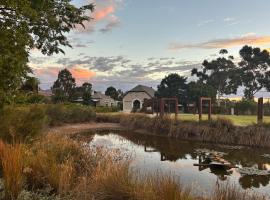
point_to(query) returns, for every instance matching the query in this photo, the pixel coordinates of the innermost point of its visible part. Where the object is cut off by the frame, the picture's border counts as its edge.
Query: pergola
(205, 99)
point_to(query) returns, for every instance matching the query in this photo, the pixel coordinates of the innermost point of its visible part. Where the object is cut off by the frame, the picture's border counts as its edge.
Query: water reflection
(175, 153)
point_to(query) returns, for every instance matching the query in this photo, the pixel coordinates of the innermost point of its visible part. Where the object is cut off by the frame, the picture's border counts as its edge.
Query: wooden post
(176, 109)
(260, 111)
(209, 109)
(161, 107)
(200, 109)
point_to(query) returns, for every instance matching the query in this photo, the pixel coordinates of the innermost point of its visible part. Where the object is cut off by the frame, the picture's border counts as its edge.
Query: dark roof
(99, 95)
(141, 88)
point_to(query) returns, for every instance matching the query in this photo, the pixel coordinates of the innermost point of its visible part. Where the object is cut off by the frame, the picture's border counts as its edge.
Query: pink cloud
(49, 74)
(104, 12)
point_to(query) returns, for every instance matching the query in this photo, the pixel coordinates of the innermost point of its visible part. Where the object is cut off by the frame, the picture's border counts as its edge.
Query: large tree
(64, 86)
(112, 92)
(220, 73)
(87, 93)
(199, 89)
(173, 85)
(33, 24)
(254, 70)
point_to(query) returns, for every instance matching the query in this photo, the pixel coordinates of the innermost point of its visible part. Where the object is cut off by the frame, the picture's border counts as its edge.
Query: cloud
(113, 22)
(229, 19)
(205, 22)
(103, 15)
(47, 75)
(250, 39)
(118, 71)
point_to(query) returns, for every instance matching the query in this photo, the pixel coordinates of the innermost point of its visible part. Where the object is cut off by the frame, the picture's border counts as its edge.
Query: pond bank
(219, 131)
(84, 127)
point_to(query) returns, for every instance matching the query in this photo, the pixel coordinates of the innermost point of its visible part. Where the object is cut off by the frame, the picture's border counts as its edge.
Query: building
(100, 99)
(135, 97)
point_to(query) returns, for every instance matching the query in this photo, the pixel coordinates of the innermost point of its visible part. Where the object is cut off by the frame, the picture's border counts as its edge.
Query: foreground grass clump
(57, 167)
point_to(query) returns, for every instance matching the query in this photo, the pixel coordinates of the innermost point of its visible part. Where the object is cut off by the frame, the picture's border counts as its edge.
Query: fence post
(200, 109)
(260, 111)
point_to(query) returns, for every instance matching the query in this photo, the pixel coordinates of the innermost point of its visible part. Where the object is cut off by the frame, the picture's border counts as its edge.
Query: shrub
(69, 113)
(245, 107)
(107, 109)
(21, 123)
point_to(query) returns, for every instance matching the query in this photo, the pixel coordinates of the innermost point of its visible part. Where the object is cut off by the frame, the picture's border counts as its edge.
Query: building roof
(99, 95)
(142, 88)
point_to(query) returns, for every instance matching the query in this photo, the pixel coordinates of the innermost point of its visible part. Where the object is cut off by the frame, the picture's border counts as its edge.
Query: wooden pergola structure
(158, 105)
(205, 99)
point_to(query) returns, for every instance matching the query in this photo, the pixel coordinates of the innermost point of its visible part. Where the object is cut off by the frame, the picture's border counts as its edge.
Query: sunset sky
(132, 42)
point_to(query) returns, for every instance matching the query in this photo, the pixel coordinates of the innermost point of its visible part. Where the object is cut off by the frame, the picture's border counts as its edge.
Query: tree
(199, 89)
(30, 85)
(173, 85)
(28, 24)
(64, 86)
(112, 92)
(120, 95)
(254, 70)
(220, 73)
(87, 93)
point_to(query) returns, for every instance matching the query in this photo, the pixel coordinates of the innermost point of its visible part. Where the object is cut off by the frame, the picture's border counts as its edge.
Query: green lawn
(241, 120)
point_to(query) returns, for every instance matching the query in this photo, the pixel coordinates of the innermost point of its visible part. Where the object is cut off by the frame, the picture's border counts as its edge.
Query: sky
(130, 42)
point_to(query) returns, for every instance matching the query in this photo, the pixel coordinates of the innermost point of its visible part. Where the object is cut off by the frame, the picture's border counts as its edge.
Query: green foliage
(172, 85)
(36, 99)
(107, 109)
(246, 106)
(30, 85)
(198, 89)
(69, 113)
(87, 93)
(111, 92)
(28, 24)
(64, 86)
(114, 94)
(21, 123)
(220, 74)
(254, 70)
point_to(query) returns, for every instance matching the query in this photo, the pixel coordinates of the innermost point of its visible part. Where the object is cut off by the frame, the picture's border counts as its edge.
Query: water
(157, 154)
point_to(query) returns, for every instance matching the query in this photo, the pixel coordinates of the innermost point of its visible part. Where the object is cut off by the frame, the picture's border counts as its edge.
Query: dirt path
(84, 127)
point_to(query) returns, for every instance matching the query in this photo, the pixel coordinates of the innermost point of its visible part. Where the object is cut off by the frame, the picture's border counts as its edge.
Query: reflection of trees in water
(248, 181)
(173, 150)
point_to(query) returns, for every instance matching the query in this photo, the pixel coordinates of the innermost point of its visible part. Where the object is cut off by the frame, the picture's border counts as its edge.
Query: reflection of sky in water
(150, 162)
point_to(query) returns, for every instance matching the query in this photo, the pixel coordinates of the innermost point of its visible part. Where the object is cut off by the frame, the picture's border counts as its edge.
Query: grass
(239, 120)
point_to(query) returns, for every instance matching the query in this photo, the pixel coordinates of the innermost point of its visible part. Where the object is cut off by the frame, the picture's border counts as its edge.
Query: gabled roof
(142, 88)
(99, 95)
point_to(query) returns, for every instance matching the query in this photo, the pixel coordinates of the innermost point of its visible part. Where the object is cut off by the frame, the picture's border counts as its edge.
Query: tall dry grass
(228, 191)
(12, 157)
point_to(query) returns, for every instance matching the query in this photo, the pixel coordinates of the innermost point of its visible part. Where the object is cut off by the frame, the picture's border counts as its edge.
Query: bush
(107, 109)
(21, 123)
(69, 113)
(246, 107)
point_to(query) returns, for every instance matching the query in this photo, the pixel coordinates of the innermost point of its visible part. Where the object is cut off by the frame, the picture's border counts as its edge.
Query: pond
(158, 154)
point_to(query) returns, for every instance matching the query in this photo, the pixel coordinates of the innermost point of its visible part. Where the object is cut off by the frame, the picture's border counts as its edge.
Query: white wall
(131, 97)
